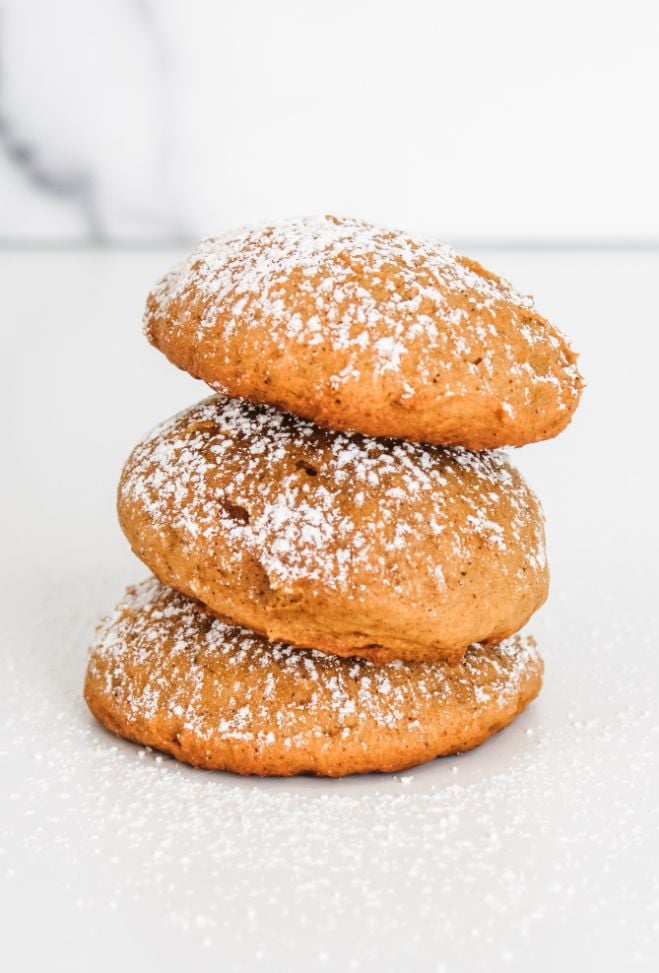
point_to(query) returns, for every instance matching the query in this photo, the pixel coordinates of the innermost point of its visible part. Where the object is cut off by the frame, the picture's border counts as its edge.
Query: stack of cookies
(342, 556)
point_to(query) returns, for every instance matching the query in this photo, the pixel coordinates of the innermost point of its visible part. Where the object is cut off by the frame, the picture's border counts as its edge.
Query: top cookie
(366, 329)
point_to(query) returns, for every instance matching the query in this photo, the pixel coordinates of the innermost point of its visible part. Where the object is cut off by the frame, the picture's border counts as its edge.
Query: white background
(536, 852)
(158, 119)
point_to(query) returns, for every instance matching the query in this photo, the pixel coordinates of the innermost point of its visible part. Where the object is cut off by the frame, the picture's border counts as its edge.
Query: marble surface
(157, 120)
(535, 853)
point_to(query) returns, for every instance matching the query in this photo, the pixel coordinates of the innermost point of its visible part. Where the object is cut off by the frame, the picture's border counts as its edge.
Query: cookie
(166, 674)
(339, 542)
(367, 329)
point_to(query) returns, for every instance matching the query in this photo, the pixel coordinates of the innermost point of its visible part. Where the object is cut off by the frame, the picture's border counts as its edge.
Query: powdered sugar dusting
(158, 630)
(398, 305)
(310, 504)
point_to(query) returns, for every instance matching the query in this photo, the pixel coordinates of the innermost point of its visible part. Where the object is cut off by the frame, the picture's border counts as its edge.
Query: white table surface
(538, 852)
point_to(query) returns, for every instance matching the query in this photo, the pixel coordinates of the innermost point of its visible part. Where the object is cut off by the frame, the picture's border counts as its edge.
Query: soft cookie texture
(340, 542)
(367, 329)
(166, 674)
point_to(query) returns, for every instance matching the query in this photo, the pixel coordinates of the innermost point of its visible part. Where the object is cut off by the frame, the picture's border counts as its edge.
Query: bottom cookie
(167, 675)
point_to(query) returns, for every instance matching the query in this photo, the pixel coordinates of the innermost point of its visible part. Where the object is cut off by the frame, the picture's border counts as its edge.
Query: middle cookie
(358, 546)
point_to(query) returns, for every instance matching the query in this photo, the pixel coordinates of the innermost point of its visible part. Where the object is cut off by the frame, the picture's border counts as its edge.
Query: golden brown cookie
(340, 542)
(166, 674)
(367, 329)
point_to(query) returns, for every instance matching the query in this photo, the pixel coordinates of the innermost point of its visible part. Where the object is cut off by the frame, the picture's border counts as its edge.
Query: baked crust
(344, 543)
(362, 328)
(165, 674)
